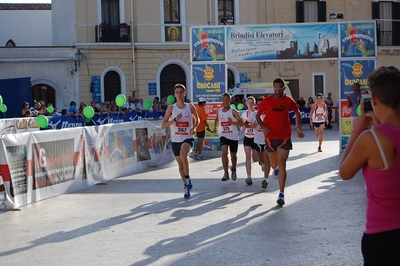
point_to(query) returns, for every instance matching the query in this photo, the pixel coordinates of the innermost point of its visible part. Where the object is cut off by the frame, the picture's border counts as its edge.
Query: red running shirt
(277, 116)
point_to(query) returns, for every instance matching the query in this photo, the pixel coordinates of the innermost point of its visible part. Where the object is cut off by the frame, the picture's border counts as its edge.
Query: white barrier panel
(38, 165)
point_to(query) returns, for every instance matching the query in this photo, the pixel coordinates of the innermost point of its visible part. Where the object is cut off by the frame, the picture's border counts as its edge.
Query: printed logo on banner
(121, 148)
(53, 163)
(17, 164)
(345, 110)
(357, 70)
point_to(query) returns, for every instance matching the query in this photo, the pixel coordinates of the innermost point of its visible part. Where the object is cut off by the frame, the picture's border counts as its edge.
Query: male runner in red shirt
(278, 130)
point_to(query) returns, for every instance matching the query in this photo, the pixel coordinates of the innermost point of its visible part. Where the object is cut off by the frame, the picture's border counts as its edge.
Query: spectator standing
(201, 129)
(140, 105)
(25, 107)
(377, 151)
(129, 105)
(156, 105)
(353, 101)
(183, 120)
(301, 103)
(226, 122)
(310, 102)
(35, 109)
(329, 104)
(278, 130)
(164, 104)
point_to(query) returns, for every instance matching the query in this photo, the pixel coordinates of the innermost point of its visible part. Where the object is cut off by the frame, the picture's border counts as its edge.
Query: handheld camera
(366, 98)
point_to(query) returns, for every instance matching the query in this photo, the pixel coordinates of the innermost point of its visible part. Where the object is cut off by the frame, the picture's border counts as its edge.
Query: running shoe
(188, 184)
(281, 199)
(225, 177)
(193, 154)
(233, 174)
(264, 183)
(276, 173)
(199, 157)
(187, 192)
(248, 181)
(319, 149)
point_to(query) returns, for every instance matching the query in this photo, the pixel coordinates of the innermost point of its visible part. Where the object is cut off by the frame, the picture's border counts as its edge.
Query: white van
(257, 89)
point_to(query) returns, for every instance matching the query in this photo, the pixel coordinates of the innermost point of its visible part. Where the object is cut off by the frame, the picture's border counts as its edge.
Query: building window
(319, 83)
(225, 12)
(110, 12)
(172, 12)
(388, 27)
(310, 11)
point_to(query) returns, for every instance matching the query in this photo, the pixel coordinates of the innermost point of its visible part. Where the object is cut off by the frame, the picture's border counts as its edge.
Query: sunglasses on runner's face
(279, 89)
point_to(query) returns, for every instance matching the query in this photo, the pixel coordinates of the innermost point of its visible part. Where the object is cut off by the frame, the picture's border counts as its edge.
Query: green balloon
(50, 109)
(42, 121)
(233, 106)
(120, 100)
(170, 99)
(1, 100)
(240, 106)
(3, 108)
(147, 104)
(358, 111)
(88, 111)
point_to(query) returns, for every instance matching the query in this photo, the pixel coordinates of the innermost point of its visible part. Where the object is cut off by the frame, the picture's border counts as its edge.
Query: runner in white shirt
(226, 122)
(183, 119)
(248, 140)
(259, 145)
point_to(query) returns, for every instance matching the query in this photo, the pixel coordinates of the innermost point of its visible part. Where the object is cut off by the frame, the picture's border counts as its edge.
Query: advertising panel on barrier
(39, 165)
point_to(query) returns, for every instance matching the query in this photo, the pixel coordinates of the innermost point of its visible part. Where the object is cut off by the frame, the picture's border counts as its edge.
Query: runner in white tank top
(180, 130)
(318, 117)
(227, 121)
(183, 119)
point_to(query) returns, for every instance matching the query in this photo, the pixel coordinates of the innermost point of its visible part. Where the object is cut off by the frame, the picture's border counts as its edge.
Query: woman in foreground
(377, 152)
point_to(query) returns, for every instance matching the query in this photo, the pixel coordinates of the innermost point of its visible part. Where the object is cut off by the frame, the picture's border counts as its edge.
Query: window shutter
(299, 11)
(375, 15)
(396, 24)
(321, 11)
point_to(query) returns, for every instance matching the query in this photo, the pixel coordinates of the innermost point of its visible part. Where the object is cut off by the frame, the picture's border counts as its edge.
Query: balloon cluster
(239, 106)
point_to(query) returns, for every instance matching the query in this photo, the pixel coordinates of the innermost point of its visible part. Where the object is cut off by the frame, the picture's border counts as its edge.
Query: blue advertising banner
(357, 39)
(96, 89)
(209, 82)
(66, 121)
(278, 42)
(354, 71)
(208, 44)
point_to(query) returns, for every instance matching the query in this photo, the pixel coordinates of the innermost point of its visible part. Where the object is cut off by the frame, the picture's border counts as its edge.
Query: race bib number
(182, 128)
(226, 127)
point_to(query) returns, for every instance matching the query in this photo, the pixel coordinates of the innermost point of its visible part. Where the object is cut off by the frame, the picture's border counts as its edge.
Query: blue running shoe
(276, 173)
(188, 184)
(281, 199)
(187, 192)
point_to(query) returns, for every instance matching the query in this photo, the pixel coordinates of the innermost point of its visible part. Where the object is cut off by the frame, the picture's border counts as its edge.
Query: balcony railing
(113, 33)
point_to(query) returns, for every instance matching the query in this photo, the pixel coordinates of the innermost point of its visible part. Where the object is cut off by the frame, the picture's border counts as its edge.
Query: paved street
(143, 219)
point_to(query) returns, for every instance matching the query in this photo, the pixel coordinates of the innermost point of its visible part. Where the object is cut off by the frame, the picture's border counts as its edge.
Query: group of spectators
(39, 108)
(108, 107)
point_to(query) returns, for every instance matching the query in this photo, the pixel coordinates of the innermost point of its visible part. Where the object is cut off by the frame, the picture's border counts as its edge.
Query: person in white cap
(201, 129)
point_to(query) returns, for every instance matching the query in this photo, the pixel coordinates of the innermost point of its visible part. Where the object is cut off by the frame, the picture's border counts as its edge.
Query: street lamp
(78, 59)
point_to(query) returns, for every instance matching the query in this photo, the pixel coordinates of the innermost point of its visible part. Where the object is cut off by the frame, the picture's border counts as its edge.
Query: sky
(25, 1)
